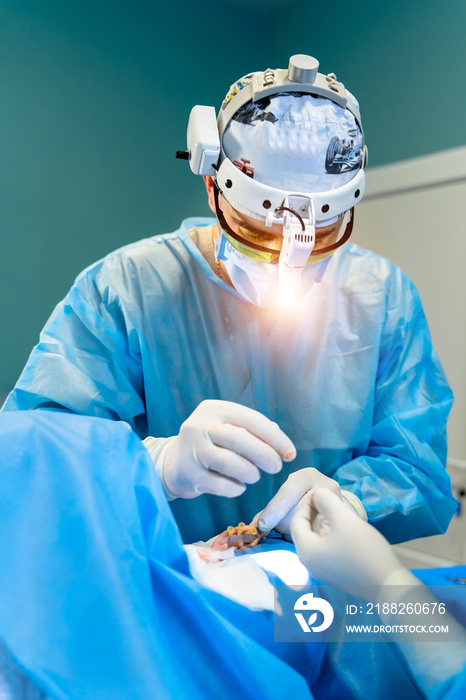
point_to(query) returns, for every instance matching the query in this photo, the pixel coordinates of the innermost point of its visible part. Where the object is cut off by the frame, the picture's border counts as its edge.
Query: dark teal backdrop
(94, 101)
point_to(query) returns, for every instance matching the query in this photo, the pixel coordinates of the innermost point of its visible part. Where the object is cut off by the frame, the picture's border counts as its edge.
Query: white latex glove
(281, 508)
(221, 447)
(345, 549)
(348, 552)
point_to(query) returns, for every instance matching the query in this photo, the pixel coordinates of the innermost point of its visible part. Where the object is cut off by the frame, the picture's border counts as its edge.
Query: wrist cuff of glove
(349, 499)
(400, 584)
(157, 448)
(401, 577)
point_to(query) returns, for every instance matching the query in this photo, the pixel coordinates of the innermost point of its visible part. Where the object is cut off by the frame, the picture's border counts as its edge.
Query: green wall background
(94, 101)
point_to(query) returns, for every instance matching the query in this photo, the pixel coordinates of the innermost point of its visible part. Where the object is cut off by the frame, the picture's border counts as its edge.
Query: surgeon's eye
(257, 236)
(260, 236)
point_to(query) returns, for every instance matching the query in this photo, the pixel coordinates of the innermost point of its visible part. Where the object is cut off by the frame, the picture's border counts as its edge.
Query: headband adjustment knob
(303, 69)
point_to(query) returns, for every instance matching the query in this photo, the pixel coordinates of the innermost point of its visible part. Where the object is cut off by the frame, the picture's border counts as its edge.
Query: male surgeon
(260, 354)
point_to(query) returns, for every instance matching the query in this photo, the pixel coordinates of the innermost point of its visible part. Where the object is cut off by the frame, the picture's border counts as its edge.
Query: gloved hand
(281, 508)
(344, 549)
(221, 447)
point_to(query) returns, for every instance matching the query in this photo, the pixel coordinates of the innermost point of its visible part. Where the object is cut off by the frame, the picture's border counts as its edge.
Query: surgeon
(260, 344)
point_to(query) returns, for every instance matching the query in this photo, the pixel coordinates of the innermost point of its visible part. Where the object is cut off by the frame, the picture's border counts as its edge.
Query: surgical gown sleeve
(87, 360)
(400, 474)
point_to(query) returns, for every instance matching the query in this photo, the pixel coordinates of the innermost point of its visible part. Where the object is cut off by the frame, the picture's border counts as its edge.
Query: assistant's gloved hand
(221, 447)
(344, 549)
(281, 508)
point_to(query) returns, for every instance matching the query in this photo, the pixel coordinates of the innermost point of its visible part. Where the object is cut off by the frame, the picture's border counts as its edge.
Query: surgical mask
(258, 282)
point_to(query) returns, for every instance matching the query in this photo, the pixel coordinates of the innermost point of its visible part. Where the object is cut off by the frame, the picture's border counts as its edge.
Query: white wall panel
(414, 214)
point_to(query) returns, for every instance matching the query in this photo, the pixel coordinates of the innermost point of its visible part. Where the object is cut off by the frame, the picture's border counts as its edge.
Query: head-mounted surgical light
(297, 211)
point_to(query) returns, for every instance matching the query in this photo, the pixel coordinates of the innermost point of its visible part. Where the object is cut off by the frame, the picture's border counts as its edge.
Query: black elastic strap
(295, 213)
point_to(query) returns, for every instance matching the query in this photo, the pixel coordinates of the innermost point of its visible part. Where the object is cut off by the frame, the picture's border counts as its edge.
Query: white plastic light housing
(203, 140)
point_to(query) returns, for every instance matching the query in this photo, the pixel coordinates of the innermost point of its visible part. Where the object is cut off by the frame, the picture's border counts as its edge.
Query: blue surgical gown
(349, 374)
(96, 596)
